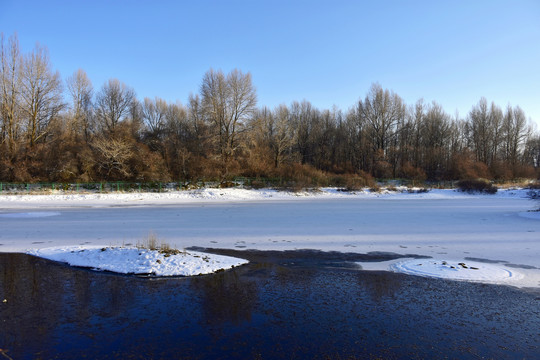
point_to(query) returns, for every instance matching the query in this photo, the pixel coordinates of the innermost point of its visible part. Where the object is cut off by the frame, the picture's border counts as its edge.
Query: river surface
(478, 227)
(283, 305)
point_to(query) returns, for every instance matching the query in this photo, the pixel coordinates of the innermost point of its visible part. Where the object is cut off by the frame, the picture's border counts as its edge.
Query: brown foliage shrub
(209, 168)
(525, 172)
(412, 173)
(87, 164)
(148, 166)
(464, 167)
(501, 171)
(258, 164)
(360, 181)
(382, 170)
(477, 185)
(6, 170)
(301, 177)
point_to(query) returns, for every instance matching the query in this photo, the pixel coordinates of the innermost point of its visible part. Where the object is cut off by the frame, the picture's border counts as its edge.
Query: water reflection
(381, 285)
(225, 297)
(301, 305)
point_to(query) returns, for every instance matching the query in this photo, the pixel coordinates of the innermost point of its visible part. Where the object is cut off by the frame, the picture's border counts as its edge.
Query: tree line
(67, 131)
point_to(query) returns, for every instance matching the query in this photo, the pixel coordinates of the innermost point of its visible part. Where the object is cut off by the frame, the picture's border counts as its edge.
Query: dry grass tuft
(152, 242)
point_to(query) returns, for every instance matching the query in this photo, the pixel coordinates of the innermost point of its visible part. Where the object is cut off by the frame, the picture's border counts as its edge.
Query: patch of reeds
(152, 242)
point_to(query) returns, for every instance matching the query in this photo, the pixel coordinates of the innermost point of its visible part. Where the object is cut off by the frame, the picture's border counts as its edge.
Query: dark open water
(294, 305)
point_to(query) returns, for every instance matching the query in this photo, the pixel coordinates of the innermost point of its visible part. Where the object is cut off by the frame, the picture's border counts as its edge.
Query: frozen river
(447, 226)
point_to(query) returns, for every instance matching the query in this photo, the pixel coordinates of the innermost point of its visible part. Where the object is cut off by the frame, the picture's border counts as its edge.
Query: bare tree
(227, 101)
(272, 135)
(114, 103)
(303, 116)
(112, 156)
(434, 143)
(180, 140)
(283, 136)
(10, 70)
(479, 130)
(81, 90)
(358, 145)
(323, 138)
(41, 94)
(381, 109)
(154, 113)
(496, 121)
(416, 124)
(531, 153)
(484, 131)
(515, 132)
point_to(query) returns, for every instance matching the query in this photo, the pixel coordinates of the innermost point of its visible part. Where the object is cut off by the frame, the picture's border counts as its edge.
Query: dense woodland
(68, 131)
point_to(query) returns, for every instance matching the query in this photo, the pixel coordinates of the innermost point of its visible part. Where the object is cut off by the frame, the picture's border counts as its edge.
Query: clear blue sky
(327, 52)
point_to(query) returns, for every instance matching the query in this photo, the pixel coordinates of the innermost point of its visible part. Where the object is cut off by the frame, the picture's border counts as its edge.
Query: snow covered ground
(495, 233)
(59, 199)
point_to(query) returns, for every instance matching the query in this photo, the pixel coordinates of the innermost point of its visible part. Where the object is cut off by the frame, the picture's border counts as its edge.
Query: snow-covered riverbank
(60, 199)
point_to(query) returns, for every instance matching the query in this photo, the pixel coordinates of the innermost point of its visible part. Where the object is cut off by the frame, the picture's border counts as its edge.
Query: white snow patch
(139, 261)
(457, 270)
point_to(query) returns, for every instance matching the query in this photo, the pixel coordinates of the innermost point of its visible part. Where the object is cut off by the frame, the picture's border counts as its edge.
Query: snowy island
(132, 260)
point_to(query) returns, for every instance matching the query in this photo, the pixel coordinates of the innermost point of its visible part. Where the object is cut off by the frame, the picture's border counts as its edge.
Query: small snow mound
(29, 215)
(128, 260)
(457, 270)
